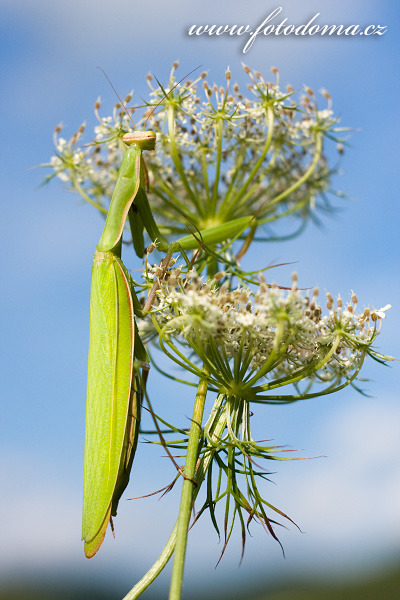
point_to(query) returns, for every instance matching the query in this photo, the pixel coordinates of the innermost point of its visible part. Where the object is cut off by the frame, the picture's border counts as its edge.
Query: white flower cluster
(277, 334)
(219, 155)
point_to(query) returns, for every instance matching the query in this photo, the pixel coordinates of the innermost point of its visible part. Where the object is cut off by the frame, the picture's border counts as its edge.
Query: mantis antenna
(161, 101)
(171, 90)
(116, 93)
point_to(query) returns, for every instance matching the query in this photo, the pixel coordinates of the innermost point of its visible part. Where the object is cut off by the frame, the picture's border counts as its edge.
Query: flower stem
(216, 429)
(177, 161)
(307, 174)
(85, 196)
(156, 568)
(187, 492)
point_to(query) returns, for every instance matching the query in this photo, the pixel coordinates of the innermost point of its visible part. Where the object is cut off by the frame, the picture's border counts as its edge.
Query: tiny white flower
(247, 320)
(61, 143)
(380, 314)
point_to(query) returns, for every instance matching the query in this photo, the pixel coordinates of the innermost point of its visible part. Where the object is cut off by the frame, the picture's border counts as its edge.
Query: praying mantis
(115, 349)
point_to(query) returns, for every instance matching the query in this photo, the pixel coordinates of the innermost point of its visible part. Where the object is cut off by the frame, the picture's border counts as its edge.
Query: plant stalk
(187, 492)
(162, 560)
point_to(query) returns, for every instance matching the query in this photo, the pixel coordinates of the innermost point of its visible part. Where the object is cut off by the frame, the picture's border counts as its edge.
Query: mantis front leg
(129, 189)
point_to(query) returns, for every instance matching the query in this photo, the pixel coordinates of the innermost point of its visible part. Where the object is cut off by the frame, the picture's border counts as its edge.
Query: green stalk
(161, 562)
(187, 492)
(276, 352)
(177, 161)
(205, 173)
(156, 569)
(86, 197)
(225, 209)
(303, 179)
(313, 368)
(180, 207)
(212, 268)
(218, 135)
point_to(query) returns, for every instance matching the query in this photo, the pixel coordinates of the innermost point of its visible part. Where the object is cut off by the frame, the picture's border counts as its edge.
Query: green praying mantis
(115, 349)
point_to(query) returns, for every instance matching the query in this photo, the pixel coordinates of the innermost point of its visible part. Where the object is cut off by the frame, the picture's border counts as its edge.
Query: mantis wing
(109, 394)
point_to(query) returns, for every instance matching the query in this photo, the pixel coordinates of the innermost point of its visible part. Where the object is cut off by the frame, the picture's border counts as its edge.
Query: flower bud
(128, 98)
(220, 275)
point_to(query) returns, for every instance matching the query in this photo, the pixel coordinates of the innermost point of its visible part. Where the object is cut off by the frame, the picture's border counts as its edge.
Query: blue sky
(347, 502)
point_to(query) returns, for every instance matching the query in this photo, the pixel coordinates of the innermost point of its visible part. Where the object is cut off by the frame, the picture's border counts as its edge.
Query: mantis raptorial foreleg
(129, 188)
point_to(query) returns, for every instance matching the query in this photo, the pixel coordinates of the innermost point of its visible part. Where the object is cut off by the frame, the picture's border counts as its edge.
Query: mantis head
(146, 140)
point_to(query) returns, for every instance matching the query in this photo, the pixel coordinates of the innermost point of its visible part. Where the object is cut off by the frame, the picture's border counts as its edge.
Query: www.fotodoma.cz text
(268, 27)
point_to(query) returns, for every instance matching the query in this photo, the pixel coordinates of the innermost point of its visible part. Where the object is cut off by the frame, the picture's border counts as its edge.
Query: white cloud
(347, 504)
